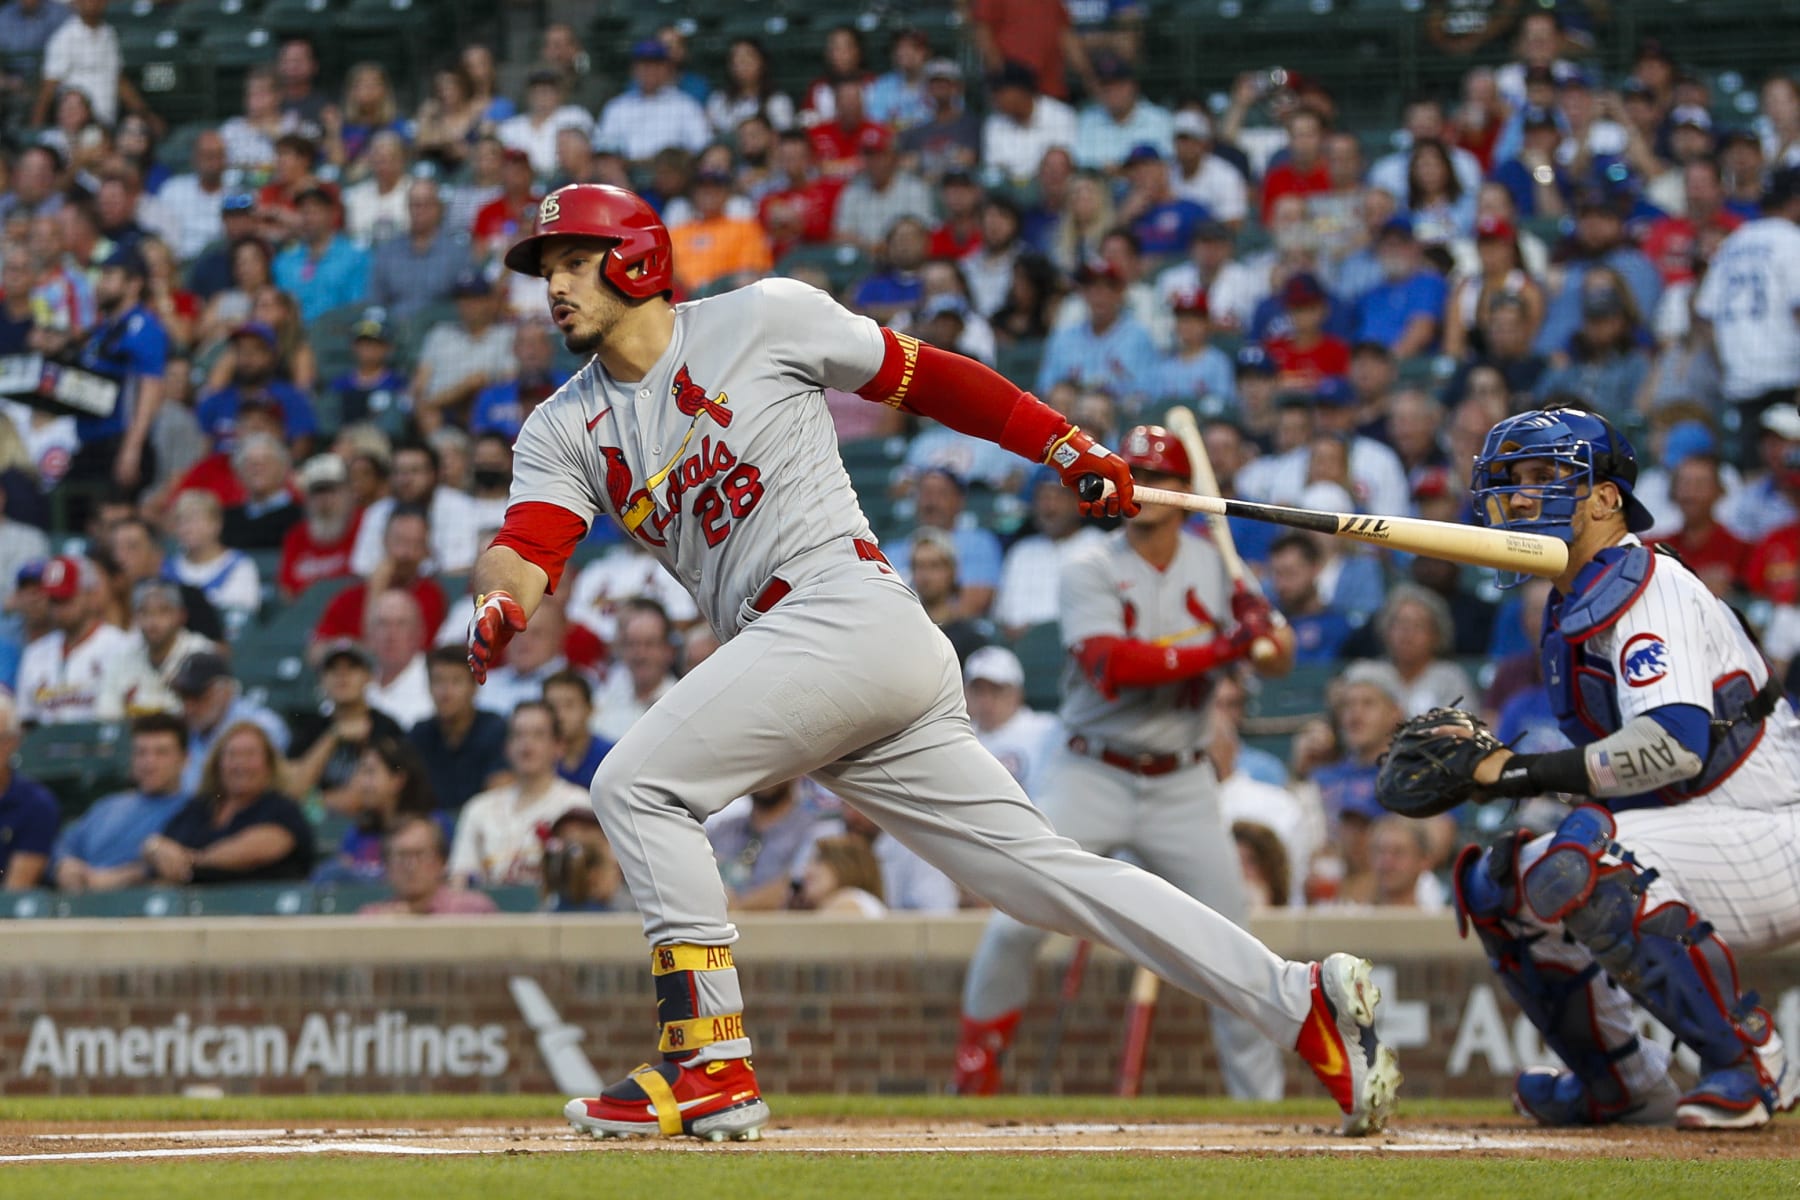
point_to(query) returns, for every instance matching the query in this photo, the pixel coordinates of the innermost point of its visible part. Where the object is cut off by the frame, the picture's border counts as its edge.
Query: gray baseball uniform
(723, 461)
(1170, 822)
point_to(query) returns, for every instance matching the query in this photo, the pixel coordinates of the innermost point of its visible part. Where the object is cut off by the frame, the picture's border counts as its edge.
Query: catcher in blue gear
(1683, 841)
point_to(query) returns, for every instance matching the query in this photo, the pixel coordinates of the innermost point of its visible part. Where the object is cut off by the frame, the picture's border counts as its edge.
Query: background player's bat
(1182, 424)
(1138, 1017)
(1503, 550)
(1065, 1004)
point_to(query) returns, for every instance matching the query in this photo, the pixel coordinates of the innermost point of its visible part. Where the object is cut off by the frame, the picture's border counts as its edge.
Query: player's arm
(1654, 750)
(550, 513)
(974, 399)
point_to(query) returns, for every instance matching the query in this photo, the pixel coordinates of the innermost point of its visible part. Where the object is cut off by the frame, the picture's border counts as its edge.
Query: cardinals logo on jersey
(691, 399)
(634, 508)
(1197, 610)
(1644, 660)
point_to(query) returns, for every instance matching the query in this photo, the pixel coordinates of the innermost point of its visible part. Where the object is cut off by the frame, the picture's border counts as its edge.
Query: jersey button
(643, 393)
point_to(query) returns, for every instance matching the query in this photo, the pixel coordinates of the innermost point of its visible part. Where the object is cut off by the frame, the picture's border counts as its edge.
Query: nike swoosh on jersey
(595, 420)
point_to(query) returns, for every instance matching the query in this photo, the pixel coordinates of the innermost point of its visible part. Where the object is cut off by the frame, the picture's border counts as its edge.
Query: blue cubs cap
(1254, 360)
(238, 202)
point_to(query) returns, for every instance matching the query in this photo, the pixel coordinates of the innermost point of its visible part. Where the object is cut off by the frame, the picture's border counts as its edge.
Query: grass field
(1746, 1167)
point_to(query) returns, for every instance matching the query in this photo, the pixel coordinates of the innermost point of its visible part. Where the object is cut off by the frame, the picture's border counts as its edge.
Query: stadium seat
(1291, 699)
(301, 16)
(78, 762)
(1041, 653)
(1019, 362)
(28, 906)
(131, 902)
(515, 899)
(344, 899)
(206, 16)
(249, 900)
(236, 47)
(842, 265)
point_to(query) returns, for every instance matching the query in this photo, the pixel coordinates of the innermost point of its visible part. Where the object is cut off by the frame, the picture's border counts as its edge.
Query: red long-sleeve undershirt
(1115, 662)
(544, 535)
(964, 395)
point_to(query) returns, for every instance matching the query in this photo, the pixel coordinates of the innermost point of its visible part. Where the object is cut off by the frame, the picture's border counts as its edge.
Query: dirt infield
(1420, 1135)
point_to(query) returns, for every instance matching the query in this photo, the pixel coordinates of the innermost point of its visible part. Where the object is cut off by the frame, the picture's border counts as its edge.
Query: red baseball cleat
(717, 1101)
(979, 1053)
(1338, 1042)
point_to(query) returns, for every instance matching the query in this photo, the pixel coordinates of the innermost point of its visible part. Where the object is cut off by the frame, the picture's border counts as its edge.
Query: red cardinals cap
(599, 210)
(1191, 300)
(1495, 228)
(1301, 290)
(66, 576)
(1153, 448)
(1098, 270)
(875, 139)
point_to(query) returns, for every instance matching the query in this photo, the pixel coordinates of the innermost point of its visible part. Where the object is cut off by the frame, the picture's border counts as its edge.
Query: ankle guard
(698, 1003)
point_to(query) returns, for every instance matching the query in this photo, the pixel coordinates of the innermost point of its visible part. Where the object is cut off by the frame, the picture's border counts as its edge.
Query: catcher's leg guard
(1669, 960)
(980, 1051)
(1556, 998)
(704, 1086)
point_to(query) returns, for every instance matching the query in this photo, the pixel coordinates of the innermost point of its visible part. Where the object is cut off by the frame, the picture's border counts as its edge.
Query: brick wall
(828, 1026)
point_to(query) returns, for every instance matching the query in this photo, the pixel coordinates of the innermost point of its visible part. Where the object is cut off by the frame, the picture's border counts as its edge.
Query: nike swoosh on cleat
(1334, 1063)
(598, 416)
(687, 1104)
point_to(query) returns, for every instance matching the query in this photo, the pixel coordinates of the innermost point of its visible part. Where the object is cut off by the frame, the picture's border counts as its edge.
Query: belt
(777, 589)
(1147, 765)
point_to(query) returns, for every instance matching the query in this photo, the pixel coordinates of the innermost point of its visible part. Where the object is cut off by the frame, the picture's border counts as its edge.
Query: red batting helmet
(599, 210)
(1153, 448)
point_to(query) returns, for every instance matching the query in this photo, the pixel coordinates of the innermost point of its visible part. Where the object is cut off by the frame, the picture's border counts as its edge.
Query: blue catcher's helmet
(1587, 449)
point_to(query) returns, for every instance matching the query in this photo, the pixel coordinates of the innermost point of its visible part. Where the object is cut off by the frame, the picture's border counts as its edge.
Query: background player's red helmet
(1153, 448)
(602, 211)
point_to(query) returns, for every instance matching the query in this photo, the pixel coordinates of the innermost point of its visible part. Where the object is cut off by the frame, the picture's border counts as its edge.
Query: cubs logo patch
(550, 211)
(1644, 660)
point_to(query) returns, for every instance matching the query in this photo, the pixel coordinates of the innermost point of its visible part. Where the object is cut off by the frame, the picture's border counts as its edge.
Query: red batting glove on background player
(1253, 612)
(497, 617)
(1075, 456)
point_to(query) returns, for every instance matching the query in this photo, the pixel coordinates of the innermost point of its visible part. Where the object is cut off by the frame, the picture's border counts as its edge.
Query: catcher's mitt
(1426, 772)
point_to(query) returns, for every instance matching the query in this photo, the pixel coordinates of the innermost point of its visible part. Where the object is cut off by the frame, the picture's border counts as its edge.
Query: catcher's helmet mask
(1584, 449)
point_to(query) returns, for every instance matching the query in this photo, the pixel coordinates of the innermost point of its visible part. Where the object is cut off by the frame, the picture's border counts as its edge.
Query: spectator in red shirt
(1707, 547)
(1035, 33)
(406, 546)
(502, 221)
(802, 209)
(318, 547)
(839, 144)
(960, 233)
(1673, 240)
(1303, 171)
(257, 413)
(296, 156)
(1308, 355)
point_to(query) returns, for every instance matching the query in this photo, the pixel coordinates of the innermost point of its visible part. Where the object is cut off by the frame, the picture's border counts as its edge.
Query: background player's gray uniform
(845, 677)
(1171, 823)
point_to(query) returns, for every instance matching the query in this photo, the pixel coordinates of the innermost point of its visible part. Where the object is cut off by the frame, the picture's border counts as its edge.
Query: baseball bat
(1501, 549)
(1144, 988)
(1182, 424)
(1065, 1004)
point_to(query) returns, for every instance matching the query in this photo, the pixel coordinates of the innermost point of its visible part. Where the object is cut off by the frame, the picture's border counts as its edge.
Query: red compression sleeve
(1115, 662)
(544, 535)
(964, 395)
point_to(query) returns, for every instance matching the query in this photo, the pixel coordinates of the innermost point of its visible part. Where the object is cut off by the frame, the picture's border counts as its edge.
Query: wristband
(1535, 774)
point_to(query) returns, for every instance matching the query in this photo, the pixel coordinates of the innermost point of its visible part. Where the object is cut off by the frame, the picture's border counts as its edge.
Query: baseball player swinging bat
(1503, 550)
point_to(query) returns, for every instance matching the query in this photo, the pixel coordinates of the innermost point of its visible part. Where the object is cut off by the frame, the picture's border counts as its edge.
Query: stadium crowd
(321, 367)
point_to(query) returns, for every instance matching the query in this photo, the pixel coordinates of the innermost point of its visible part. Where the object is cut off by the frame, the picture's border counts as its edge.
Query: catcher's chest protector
(1584, 684)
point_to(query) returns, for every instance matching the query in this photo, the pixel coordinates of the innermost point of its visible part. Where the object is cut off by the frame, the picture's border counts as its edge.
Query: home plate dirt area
(122, 1142)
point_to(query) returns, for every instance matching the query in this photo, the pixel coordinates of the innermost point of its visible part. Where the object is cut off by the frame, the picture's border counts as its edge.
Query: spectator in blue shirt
(28, 813)
(25, 29)
(1402, 312)
(1109, 349)
(897, 287)
(1319, 629)
(571, 697)
(323, 269)
(503, 407)
(129, 347)
(1195, 369)
(939, 498)
(1164, 222)
(254, 360)
(371, 390)
(1121, 119)
(1539, 184)
(103, 849)
(897, 98)
(1599, 241)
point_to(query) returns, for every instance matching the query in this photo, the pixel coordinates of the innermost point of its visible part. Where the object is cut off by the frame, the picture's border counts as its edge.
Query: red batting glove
(1075, 456)
(497, 617)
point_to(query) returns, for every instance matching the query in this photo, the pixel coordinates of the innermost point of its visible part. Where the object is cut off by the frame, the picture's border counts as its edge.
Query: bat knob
(1264, 651)
(1092, 489)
